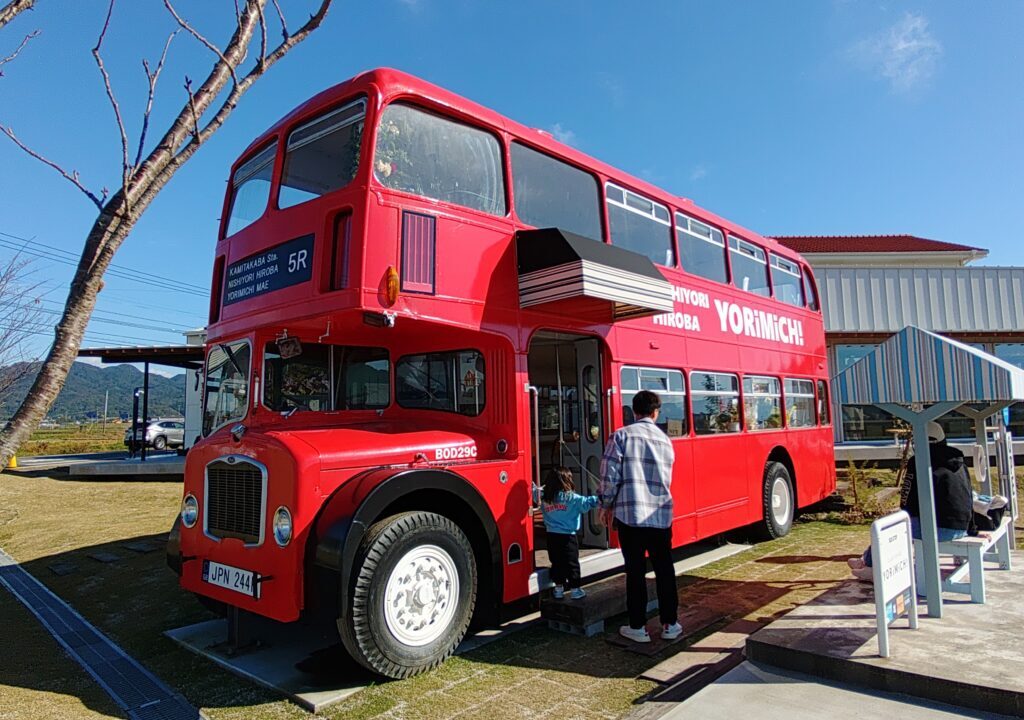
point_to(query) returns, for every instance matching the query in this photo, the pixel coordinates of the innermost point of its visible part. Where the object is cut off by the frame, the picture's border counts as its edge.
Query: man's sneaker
(558, 593)
(856, 563)
(671, 632)
(864, 573)
(635, 634)
(578, 594)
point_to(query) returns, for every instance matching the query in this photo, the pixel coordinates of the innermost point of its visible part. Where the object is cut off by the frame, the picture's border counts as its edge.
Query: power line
(116, 266)
(131, 276)
(169, 327)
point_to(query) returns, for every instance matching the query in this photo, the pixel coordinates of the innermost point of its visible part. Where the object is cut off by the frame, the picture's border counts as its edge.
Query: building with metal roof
(872, 286)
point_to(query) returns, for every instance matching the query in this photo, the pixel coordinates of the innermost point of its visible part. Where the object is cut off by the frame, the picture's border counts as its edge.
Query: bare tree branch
(14, 8)
(263, 38)
(201, 38)
(243, 85)
(280, 16)
(71, 177)
(152, 78)
(17, 50)
(192, 105)
(126, 167)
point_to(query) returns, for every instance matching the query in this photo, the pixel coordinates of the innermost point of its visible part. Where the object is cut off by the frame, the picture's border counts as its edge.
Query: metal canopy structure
(919, 376)
(189, 357)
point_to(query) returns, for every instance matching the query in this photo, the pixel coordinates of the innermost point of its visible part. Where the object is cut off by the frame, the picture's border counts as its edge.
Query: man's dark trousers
(657, 543)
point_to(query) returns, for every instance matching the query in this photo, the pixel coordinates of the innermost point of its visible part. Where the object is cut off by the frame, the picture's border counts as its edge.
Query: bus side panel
(684, 523)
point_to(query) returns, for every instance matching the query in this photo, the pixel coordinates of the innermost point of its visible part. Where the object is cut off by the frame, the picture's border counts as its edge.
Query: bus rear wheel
(412, 596)
(778, 501)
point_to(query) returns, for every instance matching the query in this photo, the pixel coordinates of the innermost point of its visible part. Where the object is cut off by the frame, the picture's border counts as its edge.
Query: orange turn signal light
(391, 285)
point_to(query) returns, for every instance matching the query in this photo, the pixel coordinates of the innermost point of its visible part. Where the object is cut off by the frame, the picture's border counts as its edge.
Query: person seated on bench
(954, 499)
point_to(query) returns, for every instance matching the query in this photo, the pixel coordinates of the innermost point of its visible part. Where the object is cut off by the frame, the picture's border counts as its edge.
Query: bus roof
(390, 84)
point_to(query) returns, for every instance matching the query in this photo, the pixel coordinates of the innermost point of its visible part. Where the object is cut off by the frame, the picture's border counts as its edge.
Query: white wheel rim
(421, 595)
(781, 503)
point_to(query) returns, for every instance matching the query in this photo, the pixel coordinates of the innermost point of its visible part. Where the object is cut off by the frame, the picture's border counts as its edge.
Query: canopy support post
(980, 417)
(926, 493)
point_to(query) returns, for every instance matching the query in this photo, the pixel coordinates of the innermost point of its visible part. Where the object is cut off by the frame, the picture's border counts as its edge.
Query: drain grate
(131, 686)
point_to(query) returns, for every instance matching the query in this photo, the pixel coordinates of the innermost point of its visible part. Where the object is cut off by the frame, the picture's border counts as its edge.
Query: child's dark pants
(564, 551)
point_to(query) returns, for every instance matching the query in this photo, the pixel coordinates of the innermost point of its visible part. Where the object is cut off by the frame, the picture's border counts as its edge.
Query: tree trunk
(106, 235)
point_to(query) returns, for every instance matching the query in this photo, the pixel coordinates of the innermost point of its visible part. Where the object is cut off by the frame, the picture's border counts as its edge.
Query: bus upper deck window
(431, 156)
(640, 225)
(749, 267)
(250, 189)
(552, 193)
(787, 282)
(809, 291)
(701, 248)
(322, 155)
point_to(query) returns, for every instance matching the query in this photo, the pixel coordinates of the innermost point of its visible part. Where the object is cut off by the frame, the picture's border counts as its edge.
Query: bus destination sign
(279, 267)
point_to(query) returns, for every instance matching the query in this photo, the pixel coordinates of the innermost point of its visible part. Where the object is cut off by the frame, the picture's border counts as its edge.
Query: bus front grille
(234, 500)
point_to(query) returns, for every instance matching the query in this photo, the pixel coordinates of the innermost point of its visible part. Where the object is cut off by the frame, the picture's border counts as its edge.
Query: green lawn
(534, 673)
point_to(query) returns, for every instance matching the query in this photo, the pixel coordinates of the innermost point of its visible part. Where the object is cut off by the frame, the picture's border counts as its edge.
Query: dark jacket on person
(954, 503)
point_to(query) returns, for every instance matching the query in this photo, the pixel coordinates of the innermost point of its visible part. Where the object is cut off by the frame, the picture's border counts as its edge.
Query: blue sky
(789, 117)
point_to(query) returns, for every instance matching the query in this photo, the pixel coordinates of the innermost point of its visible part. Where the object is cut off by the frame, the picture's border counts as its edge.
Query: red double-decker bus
(418, 308)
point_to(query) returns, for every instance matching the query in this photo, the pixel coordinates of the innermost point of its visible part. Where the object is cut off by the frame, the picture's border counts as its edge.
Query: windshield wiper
(231, 356)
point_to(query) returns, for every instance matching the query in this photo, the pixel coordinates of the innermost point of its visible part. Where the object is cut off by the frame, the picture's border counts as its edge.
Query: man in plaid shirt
(636, 490)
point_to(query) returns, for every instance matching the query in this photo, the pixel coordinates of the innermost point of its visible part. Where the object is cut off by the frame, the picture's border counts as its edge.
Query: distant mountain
(83, 393)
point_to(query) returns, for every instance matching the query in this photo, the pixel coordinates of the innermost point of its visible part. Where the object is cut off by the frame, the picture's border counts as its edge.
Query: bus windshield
(227, 384)
(317, 377)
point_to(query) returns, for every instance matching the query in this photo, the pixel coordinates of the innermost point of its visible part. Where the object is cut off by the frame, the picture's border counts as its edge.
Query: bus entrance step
(605, 599)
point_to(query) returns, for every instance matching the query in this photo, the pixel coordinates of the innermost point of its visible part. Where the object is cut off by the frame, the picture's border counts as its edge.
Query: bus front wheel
(412, 596)
(778, 501)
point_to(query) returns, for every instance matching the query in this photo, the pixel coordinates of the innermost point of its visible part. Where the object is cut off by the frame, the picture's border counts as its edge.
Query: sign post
(892, 563)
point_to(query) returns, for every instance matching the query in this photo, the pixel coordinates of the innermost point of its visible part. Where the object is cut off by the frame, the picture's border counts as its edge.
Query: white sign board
(893, 566)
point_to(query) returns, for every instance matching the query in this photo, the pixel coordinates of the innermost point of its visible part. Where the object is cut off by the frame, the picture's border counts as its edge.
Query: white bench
(971, 554)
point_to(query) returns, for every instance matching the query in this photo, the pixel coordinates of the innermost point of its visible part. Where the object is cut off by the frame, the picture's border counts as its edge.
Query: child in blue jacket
(561, 509)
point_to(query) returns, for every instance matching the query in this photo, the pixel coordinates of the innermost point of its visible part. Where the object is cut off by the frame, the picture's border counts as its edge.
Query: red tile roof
(868, 244)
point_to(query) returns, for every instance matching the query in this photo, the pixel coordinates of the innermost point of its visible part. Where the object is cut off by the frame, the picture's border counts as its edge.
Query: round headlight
(189, 511)
(282, 526)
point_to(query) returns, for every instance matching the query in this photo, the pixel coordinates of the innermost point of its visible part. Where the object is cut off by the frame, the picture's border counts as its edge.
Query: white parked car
(159, 434)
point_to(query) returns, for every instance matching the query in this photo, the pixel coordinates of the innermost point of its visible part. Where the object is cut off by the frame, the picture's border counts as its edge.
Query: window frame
(514, 204)
(750, 251)
(250, 380)
(483, 405)
(723, 246)
(333, 390)
(288, 147)
(787, 394)
(752, 394)
(728, 393)
(789, 267)
(824, 402)
(624, 204)
(237, 179)
(446, 115)
(683, 394)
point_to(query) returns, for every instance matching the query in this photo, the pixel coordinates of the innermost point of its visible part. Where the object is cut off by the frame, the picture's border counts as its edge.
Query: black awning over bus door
(557, 266)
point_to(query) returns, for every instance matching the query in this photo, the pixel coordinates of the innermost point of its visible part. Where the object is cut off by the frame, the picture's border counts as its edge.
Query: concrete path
(754, 691)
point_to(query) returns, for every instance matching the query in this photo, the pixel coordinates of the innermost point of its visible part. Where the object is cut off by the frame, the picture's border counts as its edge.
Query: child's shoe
(578, 594)
(635, 634)
(671, 632)
(558, 593)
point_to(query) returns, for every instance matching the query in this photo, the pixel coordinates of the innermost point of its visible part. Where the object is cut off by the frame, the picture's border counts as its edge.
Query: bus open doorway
(568, 426)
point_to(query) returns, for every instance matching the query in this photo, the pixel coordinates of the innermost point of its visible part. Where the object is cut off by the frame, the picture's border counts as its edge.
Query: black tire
(778, 486)
(160, 443)
(368, 633)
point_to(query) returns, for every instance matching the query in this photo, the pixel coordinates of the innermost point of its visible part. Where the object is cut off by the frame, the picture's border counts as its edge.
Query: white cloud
(905, 54)
(562, 134)
(699, 172)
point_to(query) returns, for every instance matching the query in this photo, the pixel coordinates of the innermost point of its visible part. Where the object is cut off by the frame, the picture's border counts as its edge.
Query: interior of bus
(568, 425)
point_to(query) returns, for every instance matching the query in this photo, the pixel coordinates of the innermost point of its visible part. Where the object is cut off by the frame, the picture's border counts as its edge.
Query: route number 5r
(297, 261)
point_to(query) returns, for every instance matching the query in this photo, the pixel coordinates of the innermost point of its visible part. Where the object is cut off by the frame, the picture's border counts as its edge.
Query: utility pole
(106, 398)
